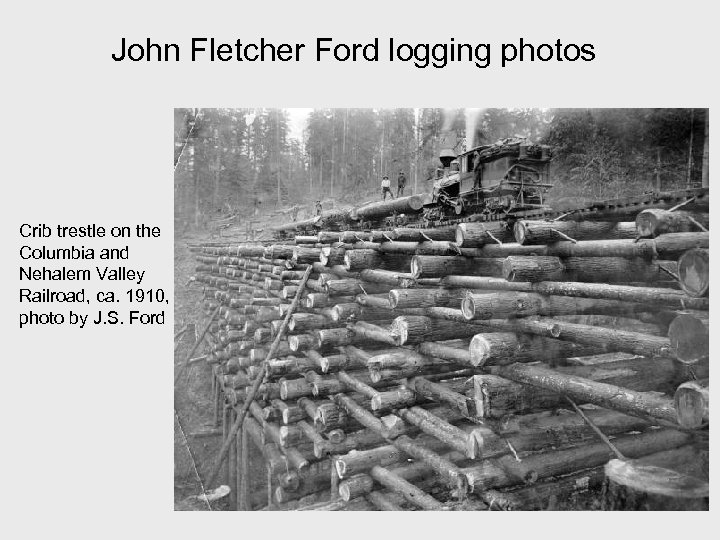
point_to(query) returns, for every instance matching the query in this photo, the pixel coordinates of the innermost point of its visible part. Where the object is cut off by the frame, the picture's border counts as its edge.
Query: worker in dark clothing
(318, 208)
(401, 184)
(386, 188)
(477, 168)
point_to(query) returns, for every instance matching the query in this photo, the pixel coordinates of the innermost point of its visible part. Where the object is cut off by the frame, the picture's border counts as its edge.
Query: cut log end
(655, 481)
(416, 267)
(468, 308)
(694, 272)
(689, 339)
(519, 232)
(692, 402)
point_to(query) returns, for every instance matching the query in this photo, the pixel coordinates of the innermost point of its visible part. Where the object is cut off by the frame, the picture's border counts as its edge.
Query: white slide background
(87, 414)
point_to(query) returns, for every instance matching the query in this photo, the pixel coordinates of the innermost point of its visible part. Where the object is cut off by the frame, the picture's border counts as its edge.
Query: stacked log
(425, 368)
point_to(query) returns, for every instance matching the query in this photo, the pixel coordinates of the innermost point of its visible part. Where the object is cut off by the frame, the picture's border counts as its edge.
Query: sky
(298, 118)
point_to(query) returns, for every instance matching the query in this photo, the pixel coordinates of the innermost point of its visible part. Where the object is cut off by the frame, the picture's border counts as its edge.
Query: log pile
(469, 367)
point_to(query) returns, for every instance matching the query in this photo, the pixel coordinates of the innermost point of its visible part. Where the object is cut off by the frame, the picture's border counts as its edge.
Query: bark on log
(359, 413)
(362, 331)
(356, 260)
(392, 399)
(654, 296)
(327, 237)
(344, 312)
(666, 246)
(305, 255)
(355, 486)
(694, 272)
(420, 298)
(348, 287)
(430, 266)
(302, 342)
(496, 397)
(294, 389)
(547, 232)
(379, 301)
(454, 437)
(471, 235)
(585, 269)
(450, 473)
(385, 277)
(331, 256)
(306, 239)
(404, 359)
(517, 304)
(692, 403)
(627, 401)
(546, 495)
(302, 322)
(441, 234)
(408, 329)
(632, 486)
(377, 210)
(333, 337)
(654, 222)
(606, 339)
(350, 237)
(278, 251)
(384, 501)
(550, 429)
(455, 351)
(689, 338)
(443, 393)
(411, 493)
(506, 471)
(320, 300)
(503, 348)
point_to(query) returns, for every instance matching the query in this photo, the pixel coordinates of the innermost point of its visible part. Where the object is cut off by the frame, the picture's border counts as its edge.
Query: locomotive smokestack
(447, 148)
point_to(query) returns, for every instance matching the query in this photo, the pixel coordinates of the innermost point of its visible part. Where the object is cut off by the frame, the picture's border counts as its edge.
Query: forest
(241, 162)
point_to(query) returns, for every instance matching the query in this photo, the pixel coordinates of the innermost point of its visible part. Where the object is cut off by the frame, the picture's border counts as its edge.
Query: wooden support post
(232, 464)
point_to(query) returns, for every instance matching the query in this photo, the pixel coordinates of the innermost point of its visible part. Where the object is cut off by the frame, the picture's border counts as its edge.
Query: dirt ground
(193, 412)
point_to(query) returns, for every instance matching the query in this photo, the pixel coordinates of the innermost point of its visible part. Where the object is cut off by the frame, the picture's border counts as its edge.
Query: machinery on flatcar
(495, 180)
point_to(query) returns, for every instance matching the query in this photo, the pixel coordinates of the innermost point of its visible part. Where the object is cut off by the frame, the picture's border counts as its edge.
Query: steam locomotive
(493, 180)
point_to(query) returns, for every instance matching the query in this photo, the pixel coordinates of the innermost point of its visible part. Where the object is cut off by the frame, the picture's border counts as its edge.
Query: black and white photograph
(445, 309)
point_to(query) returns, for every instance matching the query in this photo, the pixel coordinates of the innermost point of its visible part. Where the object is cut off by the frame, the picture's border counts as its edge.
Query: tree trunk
(627, 401)
(348, 287)
(654, 222)
(411, 493)
(546, 495)
(377, 210)
(444, 394)
(470, 235)
(441, 234)
(547, 232)
(408, 329)
(428, 266)
(586, 269)
(302, 322)
(651, 296)
(453, 351)
(512, 305)
(503, 348)
(421, 298)
(496, 397)
(494, 473)
(356, 260)
(355, 486)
